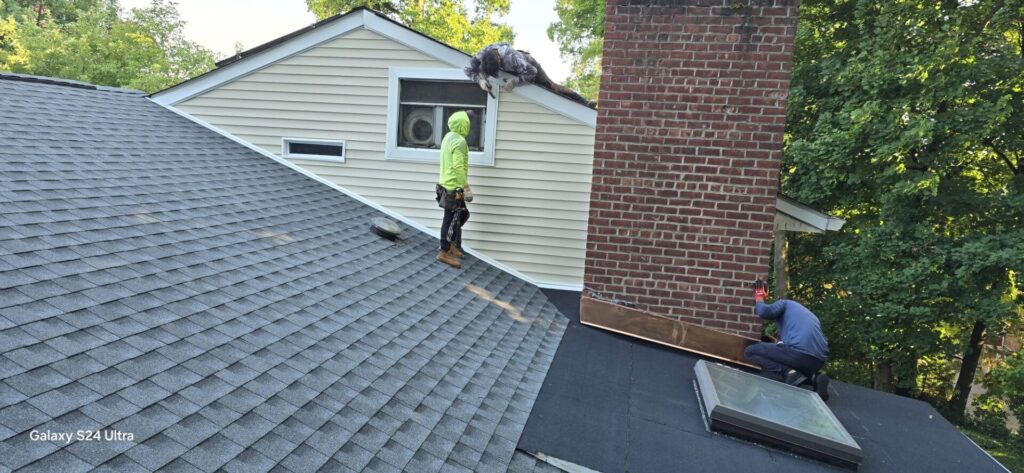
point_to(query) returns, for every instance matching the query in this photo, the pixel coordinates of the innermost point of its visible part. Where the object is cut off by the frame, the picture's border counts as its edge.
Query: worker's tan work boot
(446, 258)
(456, 252)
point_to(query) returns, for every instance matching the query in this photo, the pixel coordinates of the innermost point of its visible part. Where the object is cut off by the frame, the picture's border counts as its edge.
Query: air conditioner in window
(418, 127)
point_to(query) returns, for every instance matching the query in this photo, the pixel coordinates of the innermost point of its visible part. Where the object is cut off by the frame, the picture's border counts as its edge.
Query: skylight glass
(748, 405)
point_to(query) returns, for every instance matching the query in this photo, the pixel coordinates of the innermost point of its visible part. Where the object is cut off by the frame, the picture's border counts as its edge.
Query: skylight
(757, 408)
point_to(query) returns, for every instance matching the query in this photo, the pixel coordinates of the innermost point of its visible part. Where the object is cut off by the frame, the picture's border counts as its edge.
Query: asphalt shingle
(161, 280)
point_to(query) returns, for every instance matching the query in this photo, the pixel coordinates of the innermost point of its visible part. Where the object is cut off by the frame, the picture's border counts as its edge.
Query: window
(420, 103)
(426, 106)
(319, 150)
(751, 406)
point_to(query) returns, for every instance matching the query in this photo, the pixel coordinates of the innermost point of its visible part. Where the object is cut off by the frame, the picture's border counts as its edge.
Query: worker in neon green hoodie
(452, 187)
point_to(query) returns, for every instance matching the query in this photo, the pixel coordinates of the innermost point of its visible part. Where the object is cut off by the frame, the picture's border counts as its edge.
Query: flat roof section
(613, 403)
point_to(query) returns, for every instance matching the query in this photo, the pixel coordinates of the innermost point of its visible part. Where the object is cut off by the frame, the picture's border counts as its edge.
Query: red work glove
(760, 290)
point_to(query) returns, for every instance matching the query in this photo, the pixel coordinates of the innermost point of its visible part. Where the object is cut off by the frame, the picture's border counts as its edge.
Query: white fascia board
(246, 66)
(802, 213)
(370, 203)
(543, 97)
(414, 40)
(558, 104)
(787, 223)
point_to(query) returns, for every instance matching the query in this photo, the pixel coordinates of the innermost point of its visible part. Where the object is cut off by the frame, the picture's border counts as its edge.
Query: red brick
(686, 157)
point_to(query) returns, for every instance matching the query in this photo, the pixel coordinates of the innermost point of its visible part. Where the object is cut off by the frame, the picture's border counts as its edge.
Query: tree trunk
(969, 367)
(883, 377)
(907, 385)
(39, 13)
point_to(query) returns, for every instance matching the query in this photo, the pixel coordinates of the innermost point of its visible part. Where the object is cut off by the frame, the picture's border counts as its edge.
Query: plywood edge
(673, 333)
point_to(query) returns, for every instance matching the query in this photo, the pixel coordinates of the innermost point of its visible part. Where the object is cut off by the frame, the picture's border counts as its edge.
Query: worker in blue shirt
(801, 350)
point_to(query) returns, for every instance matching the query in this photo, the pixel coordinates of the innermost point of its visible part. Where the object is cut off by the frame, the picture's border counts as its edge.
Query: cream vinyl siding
(531, 206)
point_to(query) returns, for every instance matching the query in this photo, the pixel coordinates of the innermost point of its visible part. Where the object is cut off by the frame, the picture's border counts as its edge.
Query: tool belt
(449, 199)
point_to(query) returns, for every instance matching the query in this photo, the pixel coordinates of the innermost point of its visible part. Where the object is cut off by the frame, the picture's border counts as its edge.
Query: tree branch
(1014, 168)
(992, 14)
(1020, 35)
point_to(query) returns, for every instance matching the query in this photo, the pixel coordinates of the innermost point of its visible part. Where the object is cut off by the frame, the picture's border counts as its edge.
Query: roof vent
(385, 228)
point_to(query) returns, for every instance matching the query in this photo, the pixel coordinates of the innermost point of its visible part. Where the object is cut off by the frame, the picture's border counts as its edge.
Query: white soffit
(366, 19)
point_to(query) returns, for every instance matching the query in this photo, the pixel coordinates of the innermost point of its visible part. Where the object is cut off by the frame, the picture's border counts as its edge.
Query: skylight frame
(721, 417)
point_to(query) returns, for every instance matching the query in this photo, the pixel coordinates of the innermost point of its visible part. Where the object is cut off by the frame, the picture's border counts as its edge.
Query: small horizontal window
(332, 150)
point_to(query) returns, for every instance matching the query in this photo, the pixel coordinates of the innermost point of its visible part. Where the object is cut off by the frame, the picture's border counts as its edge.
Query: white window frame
(313, 157)
(399, 153)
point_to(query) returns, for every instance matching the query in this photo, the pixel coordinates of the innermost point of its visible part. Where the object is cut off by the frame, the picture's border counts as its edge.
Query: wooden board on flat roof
(665, 331)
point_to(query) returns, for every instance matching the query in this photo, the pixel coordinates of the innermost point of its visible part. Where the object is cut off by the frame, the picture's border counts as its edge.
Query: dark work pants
(779, 359)
(451, 226)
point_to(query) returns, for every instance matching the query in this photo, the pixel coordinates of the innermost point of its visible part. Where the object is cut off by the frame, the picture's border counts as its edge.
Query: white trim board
(286, 149)
(363, 18)
(486, 259)
(816, 222)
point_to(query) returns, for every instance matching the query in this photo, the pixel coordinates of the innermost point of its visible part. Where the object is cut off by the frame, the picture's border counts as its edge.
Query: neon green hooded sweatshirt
(455, 153)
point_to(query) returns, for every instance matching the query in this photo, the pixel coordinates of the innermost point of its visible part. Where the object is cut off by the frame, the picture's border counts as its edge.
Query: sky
(219, 24)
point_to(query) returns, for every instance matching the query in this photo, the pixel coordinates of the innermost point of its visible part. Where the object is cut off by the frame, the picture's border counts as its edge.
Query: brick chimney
(686, 160)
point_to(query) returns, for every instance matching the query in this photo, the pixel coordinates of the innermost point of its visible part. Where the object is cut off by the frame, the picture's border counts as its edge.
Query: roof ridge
(15, 77)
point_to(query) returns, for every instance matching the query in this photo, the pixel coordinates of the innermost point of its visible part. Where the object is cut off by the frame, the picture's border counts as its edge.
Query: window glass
(316, 149)
(476, 125)
(426, 105)
(416, 125)
(442, 92)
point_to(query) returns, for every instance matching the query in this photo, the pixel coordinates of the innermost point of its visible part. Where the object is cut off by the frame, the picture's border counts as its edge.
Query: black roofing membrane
(616, 404)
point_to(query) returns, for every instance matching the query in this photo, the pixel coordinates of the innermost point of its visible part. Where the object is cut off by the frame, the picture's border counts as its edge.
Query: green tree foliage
(93, 41)
(905, 118)
(580, 37)
(466, 27)
(1005, 385)
(39, 12)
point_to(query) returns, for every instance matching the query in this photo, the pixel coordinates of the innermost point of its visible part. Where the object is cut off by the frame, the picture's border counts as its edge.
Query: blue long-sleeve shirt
(799, 328)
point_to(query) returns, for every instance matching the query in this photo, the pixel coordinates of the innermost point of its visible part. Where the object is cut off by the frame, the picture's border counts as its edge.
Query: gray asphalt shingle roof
(160, 280)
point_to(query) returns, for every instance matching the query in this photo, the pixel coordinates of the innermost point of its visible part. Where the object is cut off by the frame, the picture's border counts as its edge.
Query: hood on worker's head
(459, 123)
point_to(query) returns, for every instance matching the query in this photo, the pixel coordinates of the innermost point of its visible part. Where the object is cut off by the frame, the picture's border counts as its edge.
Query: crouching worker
(453, 188)
(801, 350)
(502, 57)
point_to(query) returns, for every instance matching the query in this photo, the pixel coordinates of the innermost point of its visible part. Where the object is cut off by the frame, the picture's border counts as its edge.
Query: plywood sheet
(674, 333)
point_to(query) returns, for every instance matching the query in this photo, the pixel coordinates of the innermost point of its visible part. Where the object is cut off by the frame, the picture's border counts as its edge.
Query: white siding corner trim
(395, 152)
(359, 198)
